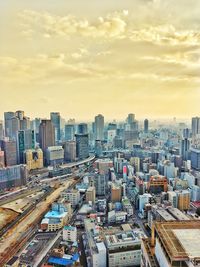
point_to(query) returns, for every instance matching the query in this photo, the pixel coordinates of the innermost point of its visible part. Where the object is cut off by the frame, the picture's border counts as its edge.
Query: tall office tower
(7, 116)
(99, 127)
(1, 130)
(2, 159)
(37, 122)
(82, 146)
(146, 126)
(112, 126)
(25, 123)
(10, 149)
(195, 126)
(186, 133)
(20, 114)
(185, 149)
(55, 118)
(82, 128)
(195, 158)
(46, 135)
(70, 151)
(69, 132)
(25, 140)
(14, 127)
(131, 118)
(100, 182)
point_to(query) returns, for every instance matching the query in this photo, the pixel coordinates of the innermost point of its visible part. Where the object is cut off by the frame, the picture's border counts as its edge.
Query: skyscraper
(1, 130)
(130, 118)
(70, 151)
(99, 127)
(55, 118)
(195, 158)
(82, 128)
(82, 146)
(10, 149)
(69, 132)
(7, 116)
(146, 126)
(14, 127)
(185, 149)
(195, 126)
(46, 134)
(25, 140)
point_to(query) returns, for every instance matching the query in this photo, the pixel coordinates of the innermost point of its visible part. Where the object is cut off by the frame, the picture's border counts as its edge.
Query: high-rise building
(14, 127)
(130, 118)
(24, 122)
(82, 146)
(7, 116)
(91, 194)
(46, 135)
(25, 140)
(13, 176)
(10, 149)
(69, 132)
(2, 159)
(70, 151)
(20, 114)
(56, 120)
(195, 126)
(146, 126)
(82, 128)
(116, 193)
(54, 155)
(183, 199)
(185, 149)
(100, 181)
(186, 133)
(34, 159)
(195, 158)
(1, 130)
(99, 127)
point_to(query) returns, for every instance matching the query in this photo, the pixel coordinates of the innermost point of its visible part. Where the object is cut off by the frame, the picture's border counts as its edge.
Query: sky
(85, 57)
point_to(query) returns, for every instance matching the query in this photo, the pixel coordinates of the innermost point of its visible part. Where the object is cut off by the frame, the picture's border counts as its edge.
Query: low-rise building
(54, 155)
(124, 248)
(73, 196)
(96, 253)
(70, 233)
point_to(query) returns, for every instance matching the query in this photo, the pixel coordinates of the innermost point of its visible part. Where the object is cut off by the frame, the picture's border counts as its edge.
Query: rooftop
(55, 214)
(175, 235)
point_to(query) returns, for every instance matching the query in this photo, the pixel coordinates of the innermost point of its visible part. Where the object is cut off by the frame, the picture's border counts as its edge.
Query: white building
(96, 250)
(124, 249)
(70, 233)
(143, 200)
(73, 196)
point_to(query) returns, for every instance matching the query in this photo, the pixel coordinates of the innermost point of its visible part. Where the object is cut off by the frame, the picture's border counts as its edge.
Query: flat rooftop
(190, 240)
(124, 237)
(178, 238)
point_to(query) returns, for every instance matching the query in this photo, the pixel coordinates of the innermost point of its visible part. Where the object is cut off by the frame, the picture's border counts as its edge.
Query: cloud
(48, 25)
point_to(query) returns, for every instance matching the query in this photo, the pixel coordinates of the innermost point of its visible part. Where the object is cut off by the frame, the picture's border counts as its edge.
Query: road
(17, 232)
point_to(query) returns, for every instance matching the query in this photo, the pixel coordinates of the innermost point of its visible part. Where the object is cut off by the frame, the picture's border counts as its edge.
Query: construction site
(174, 243)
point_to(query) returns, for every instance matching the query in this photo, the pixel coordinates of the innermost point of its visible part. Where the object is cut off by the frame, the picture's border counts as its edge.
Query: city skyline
(110, 58)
